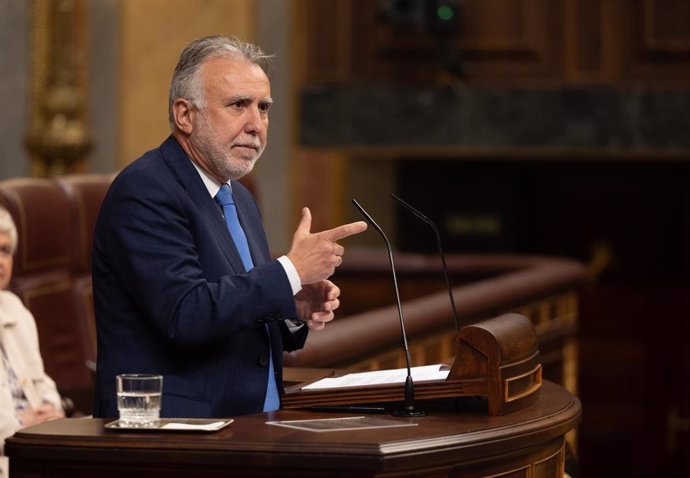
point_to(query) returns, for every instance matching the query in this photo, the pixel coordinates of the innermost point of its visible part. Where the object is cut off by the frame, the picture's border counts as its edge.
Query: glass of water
(139, 399)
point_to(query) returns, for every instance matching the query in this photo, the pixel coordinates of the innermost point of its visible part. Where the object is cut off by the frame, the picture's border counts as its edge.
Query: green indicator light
(445, 13)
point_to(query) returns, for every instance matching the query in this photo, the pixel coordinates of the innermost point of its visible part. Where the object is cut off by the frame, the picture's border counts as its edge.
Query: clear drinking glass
(139, 399)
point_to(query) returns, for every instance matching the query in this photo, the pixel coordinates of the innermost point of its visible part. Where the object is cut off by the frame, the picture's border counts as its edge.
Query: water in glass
(139, 409)
(139, 399)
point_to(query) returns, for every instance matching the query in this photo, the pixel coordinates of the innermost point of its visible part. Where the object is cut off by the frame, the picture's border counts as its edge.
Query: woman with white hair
(27, 395)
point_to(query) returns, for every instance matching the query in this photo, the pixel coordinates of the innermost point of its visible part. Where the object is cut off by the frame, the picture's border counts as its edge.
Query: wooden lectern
(497, 359)
(446, 443)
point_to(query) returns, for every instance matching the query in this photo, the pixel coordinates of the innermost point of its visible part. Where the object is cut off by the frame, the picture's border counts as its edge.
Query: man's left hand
(316, 303)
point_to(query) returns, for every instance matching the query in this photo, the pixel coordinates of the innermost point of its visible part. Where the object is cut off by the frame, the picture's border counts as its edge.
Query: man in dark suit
(178, 290)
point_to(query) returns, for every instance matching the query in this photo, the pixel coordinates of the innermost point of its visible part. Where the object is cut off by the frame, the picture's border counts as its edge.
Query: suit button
(263, 360)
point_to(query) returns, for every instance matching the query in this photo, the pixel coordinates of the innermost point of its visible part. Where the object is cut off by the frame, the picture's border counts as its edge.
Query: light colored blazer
(20, 339)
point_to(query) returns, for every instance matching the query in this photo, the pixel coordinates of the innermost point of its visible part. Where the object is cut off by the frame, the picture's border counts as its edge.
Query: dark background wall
(531, 126)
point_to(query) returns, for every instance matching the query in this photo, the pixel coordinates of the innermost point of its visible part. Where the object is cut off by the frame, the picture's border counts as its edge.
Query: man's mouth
(248, 146)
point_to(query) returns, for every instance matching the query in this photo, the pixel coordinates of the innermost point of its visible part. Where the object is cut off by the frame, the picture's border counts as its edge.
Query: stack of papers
(379, 377)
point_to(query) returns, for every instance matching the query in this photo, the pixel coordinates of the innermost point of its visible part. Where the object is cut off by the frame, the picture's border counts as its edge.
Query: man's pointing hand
(316, 255)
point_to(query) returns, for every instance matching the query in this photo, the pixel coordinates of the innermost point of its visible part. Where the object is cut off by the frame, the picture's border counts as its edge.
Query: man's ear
(183, 115)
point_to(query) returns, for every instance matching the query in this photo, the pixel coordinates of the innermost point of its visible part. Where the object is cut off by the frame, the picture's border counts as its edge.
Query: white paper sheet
(340, 424)
(187, 426)
(378, 377)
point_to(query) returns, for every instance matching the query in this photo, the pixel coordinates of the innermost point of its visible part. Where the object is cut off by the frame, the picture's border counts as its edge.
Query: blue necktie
(225, 199)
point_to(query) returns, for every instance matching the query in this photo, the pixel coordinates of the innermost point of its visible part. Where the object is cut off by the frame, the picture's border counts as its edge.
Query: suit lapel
(188, 177)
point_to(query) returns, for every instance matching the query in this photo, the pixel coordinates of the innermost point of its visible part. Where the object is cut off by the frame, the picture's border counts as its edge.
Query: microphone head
(366, 215)
(415, 211)
(369, 219)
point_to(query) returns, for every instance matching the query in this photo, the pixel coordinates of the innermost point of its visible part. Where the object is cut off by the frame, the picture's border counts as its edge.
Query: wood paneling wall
(531, 42)
(634, 319)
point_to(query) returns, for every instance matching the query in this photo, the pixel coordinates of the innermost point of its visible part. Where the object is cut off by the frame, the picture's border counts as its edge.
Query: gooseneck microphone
(440, 251)
(409, 409)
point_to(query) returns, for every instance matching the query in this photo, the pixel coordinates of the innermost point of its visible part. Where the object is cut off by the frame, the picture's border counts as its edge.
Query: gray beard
(229, 169)
(221, 161)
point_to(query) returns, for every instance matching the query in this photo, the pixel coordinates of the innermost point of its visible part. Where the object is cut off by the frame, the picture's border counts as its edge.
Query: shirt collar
(211, 186)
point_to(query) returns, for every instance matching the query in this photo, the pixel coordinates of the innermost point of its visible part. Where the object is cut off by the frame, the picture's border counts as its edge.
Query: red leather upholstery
(85, 194)
(52, 273)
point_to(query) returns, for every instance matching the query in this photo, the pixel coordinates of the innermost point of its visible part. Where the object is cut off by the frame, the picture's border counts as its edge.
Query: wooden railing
(544, 289)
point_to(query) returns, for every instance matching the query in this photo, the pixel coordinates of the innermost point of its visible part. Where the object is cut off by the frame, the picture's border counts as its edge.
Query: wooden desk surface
(442, 444)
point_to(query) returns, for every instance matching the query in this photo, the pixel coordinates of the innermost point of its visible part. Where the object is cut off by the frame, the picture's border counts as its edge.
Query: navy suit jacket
(172, 297)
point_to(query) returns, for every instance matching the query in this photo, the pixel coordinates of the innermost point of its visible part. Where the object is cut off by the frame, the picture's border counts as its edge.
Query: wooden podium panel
(455, 439)
(496, 358)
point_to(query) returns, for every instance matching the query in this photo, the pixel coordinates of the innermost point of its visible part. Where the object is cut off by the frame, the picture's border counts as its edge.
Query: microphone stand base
(408, 413)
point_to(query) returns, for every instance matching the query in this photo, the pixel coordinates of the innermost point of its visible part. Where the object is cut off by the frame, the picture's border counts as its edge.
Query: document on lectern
(341, 424)
(380, 377)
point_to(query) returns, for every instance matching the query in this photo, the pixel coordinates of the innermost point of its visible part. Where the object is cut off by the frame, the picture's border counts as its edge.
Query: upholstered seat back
(85, 194)
(52, 274)
(42, 275)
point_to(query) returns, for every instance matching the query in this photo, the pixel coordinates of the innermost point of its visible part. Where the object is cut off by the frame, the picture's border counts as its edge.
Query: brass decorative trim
(57, 139)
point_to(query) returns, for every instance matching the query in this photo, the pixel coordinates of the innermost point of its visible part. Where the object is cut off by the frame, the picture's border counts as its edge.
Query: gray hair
(185, 80)
(8, 227)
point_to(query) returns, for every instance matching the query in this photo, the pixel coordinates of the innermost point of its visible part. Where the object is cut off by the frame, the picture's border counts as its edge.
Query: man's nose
(255, 122)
